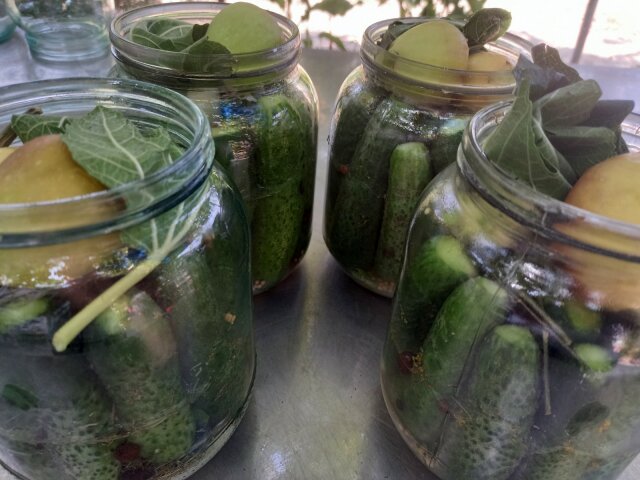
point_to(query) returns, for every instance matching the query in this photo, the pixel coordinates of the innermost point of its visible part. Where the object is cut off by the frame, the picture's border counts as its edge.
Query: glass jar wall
(512, 352)
(158, 378)
(390, 133)
(263, 112)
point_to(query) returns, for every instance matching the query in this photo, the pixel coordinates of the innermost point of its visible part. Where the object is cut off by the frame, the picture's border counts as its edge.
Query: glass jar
(381, 114)
(513, 347)
(263, 112)
(63, 30)
(155, 385)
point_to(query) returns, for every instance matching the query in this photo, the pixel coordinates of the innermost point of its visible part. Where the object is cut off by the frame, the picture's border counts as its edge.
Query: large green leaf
(584, 146)
(569, 105)
(609, 113)
(164, 34)
(512, 147)
(113, 150)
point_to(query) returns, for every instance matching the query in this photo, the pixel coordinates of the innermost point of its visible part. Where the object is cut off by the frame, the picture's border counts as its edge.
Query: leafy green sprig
(557, 127)
(176, 36)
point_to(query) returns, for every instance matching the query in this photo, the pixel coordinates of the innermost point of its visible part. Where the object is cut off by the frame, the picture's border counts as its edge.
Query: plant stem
(70, 330)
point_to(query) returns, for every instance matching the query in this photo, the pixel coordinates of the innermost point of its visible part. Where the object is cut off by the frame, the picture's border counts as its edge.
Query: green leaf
(112, 149)
(19, 397)
(486, 25)
(202, 58)
(584, 146)
(333, 7)
(199, 31)
(512, 147)
(28, 126)
(542, 80)
(333, 39)
(609, 113)
(569, 105)
(394, 30)
(548, 57)
(280, 3)
(552, 158)
(164, 34)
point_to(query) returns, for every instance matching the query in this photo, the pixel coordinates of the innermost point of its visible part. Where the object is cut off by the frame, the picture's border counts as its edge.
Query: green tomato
(244, 28)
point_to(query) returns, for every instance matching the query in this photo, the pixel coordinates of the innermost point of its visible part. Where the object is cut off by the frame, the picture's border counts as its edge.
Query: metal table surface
(317, 410)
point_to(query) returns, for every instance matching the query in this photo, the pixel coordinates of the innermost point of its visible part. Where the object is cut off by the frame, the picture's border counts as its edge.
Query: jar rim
(82, 93)
(381, 59)
(528, 206)
(158, 62)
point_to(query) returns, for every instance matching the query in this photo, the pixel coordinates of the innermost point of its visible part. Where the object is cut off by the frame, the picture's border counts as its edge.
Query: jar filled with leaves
(239, 64)
(398, 120)
(126, 344)
(513, 350)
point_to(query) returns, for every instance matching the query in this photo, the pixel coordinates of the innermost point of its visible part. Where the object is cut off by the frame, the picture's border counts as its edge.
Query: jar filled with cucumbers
(239, 64)
(398, 121)
(513, 352)
(126, 344)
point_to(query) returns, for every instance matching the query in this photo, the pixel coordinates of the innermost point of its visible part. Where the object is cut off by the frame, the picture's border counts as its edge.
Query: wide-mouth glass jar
(263, 112)
(396, 123)
(512, 352)
(160, 376)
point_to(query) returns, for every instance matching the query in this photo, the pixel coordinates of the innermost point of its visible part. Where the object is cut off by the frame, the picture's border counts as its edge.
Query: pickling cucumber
(133, 351)
(444, 147)
(55, 402)
(410, 171)
(354, 226)
(55, 418)
(470, 311)
(20, 311)
(597, 437)
(277, 180)
(275, 229)
(487, 435)
(279, 132)
(354, 109)
(439, 266)
(206, 294)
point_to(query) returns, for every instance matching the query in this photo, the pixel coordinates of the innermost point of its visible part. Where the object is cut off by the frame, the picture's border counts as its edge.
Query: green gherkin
(488, 436)
(409, 173)
(56, 421)
(353, 228)
(279, 187)
(439, 266)
(207, 294)
(470, 311)
(599, 440)
(133, 351)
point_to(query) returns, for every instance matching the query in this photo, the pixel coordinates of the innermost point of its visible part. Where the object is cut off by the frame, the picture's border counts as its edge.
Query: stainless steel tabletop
(317, 410)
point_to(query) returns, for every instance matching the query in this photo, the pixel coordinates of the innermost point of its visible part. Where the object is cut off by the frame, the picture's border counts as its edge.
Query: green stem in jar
(76, 324)
(105, 136)
(70, 330)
